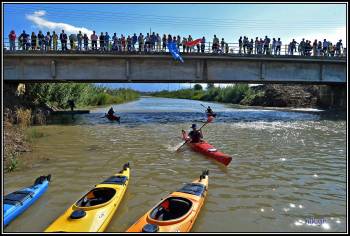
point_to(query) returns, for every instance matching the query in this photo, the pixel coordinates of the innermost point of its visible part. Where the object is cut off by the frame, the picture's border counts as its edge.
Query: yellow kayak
(94, 211)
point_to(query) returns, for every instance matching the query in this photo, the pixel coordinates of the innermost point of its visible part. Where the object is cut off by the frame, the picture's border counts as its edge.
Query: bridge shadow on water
(133, 119)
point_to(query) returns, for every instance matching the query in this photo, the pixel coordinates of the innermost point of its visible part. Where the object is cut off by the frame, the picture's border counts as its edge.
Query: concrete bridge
(161, 67)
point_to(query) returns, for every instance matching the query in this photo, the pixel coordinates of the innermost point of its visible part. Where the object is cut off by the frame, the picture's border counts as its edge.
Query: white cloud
(41, 23)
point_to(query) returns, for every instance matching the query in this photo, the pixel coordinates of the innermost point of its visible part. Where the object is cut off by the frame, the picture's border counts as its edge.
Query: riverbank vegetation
(230, 94)
(269, 95)
(57, 94)
(29, 104)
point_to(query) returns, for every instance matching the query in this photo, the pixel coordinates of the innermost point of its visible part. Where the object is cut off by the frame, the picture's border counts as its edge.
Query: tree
(197, 87)
(210, 85)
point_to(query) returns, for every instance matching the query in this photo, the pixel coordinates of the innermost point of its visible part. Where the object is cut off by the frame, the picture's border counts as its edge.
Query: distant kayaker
(210, 112)
(110, 112)
(71, 104)
(195, 135)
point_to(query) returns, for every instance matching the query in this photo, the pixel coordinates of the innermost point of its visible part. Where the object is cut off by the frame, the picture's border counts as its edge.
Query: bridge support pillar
(333, 96)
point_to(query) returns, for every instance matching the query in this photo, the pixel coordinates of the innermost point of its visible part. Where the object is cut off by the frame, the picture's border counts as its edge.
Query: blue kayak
(17, 202)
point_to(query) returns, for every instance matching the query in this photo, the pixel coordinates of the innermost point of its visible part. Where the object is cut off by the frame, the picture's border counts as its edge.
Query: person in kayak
(110, 112)
(195, 135)
(210, 112)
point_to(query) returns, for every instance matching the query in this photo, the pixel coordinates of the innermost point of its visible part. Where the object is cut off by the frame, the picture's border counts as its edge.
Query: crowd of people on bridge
(154, 42)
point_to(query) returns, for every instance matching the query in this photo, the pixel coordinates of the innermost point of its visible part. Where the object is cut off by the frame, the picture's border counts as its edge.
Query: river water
(287, 168)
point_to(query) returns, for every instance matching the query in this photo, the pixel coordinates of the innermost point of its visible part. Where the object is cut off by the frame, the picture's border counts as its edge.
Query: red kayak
(113, 117)
(208, 150)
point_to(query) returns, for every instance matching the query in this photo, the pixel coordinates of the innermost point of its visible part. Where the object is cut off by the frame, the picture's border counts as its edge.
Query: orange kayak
(178, 211)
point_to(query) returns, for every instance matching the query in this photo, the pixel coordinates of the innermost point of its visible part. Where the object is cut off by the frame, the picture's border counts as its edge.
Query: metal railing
(111, 47)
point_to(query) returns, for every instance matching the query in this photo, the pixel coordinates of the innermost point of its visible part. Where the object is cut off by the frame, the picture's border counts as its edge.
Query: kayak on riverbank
(178, 211)
(17, 202)
(94, 211)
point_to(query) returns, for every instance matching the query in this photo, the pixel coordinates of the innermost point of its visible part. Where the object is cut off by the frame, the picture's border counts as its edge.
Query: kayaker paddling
(210, 112)
(195, 135)
(110, 112)
(111, 115)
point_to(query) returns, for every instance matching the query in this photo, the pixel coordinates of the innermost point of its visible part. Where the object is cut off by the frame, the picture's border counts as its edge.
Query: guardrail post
(53, 69)
(262, 70)
(127, 69)
(321, 72)
(198, 69)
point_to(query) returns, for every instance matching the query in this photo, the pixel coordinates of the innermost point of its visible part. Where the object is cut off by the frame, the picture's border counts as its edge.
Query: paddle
(104, 116)
(190, 139)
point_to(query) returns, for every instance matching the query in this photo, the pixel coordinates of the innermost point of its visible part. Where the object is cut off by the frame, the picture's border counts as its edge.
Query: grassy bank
(56, 95)
(29, 106)
(230, 94)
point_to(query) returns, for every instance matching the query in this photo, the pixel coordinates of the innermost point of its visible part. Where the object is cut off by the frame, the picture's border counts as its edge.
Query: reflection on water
(287, 167)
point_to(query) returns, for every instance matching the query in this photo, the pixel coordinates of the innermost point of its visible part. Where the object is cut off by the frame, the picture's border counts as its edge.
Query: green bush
(230, 94)
(57, 94)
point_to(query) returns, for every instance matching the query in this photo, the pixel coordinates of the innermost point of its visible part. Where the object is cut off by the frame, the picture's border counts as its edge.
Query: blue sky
(229, 21)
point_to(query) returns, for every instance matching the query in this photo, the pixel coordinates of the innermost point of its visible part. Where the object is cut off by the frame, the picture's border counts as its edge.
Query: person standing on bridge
(80, 41)
(134, 41)
(115, 42)
(339, 48)
(278, 46)
(129, 43)
(184, 42)
(123, 43)
(159, 43)
(274, 45)
(256, 45)
(86, 42)
(215, 44)
(266, 45)
(325, 47)
(12, 38)
(63, 38)
(222, 45)
(240, 45)
(314, 48)
(94, 38)
(203, 45)
(54, 40)
(107, 38)
(33, 41)
(41, 40)
(102, 42)
(141, 41)
(48, 41)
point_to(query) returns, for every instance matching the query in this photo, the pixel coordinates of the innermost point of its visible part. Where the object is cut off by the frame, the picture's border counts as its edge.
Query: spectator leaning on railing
(153, 42)
(12, 38)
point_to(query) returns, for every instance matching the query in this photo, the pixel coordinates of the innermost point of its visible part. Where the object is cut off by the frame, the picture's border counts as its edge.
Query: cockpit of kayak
(96, 197)
(171, 208)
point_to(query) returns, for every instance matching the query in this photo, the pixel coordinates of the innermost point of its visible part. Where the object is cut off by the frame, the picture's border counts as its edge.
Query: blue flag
(174, 51)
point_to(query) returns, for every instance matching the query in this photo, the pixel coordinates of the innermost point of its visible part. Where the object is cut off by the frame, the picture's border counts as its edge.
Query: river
(287, 166)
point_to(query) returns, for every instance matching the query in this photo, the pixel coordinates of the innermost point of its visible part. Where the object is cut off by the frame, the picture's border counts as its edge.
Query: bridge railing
(228, 48)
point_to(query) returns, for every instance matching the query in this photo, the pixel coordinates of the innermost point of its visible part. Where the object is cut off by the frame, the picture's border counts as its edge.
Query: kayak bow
(94, 211)
(178, 211)
(208, 150)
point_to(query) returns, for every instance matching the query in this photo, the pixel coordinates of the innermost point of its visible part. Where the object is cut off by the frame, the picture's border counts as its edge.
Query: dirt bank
(19, 112)
(277, 95)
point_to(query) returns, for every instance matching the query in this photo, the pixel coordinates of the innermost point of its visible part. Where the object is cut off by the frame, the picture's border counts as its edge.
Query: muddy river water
(288, 167)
